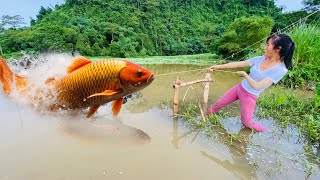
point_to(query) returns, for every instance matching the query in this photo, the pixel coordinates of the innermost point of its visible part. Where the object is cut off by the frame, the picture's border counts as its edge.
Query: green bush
(242, 33)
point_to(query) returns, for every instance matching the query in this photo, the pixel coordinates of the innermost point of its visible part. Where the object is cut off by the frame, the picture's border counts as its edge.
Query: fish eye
(139, 73)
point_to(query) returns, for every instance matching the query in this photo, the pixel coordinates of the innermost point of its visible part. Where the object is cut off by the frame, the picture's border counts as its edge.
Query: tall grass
(307, 39)
(306, 68)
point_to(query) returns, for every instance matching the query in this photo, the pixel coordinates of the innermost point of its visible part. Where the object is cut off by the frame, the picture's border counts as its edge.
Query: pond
(144, 141)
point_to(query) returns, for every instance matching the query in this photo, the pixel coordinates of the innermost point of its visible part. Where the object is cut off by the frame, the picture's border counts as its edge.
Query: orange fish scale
(96, 77)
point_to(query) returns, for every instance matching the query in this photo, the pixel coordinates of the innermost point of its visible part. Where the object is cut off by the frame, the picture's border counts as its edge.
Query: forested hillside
(130, 28)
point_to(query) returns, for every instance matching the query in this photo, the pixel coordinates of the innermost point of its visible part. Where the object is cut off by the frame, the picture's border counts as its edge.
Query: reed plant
(306, 68)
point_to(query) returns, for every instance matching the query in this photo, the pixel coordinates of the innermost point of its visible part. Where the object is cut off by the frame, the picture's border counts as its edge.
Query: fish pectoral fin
(105, 93)
(92, 110)
(78, 63)
(116, 106)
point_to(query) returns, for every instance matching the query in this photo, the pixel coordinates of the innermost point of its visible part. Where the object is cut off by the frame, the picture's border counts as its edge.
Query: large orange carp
(87, 84)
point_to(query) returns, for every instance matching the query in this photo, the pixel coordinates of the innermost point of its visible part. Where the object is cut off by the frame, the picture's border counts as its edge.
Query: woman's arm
(229, 65)
(255, 84)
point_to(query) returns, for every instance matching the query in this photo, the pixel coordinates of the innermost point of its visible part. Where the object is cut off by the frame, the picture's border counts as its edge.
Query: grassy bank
(181, 59)
(288, 108)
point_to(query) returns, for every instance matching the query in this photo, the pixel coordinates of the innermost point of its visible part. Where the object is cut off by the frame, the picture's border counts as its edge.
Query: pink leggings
(247, 105)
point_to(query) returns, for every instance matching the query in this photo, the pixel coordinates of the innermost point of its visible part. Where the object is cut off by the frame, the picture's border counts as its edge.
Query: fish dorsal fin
(116, 106)
(78, 63)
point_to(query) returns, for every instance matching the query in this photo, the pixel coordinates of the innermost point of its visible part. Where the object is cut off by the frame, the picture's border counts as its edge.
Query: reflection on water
(239, 165)
(102, 130)
(144, 142)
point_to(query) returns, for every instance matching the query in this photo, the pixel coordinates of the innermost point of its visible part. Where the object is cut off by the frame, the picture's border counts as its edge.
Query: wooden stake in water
(206, 91)
(199, 105)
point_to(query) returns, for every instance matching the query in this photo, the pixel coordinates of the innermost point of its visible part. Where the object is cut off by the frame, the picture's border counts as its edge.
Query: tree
(1, 28)
(43, 12)
(70, 37)
(32, 22)
(11, 21)
(312, 4)
(242, 33)
(72, 2)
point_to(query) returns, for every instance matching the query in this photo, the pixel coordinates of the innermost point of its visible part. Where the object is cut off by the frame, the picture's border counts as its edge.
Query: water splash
(37, 70)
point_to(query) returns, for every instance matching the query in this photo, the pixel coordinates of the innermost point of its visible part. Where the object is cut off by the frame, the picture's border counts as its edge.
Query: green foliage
(312, 4)
(306, 68)
(43, 12)
(243, 32)
(284, 22)
(2, 29)
(133, 28)
(14, 55)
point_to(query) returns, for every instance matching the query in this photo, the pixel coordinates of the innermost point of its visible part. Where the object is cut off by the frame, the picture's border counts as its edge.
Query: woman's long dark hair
(286, 46)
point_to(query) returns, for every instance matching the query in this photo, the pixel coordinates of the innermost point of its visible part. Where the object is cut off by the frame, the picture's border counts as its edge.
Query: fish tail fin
(6, 76)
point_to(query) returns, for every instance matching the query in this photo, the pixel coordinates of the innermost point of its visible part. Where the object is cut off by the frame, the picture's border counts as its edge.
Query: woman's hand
(213, 68)
(241, 73)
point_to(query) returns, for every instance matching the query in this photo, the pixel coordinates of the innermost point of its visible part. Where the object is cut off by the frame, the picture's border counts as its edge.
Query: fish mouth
(150, 78)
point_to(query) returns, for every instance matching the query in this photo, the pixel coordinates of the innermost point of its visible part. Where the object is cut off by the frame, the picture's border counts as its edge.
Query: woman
(265, 71)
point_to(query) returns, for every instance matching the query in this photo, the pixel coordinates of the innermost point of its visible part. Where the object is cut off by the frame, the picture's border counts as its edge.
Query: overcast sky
(25, 8)
(290, 5)
(30, 8)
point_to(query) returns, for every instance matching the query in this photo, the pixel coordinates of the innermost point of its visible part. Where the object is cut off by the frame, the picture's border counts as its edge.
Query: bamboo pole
(182, 84)
(206, 91)
(199, 105)
(176, 97)
(179, 84)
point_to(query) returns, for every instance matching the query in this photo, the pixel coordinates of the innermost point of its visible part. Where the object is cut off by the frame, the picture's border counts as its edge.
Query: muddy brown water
(145, 142)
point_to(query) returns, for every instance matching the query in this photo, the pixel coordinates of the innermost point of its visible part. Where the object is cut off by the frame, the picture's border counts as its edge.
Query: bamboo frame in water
(179, 84)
